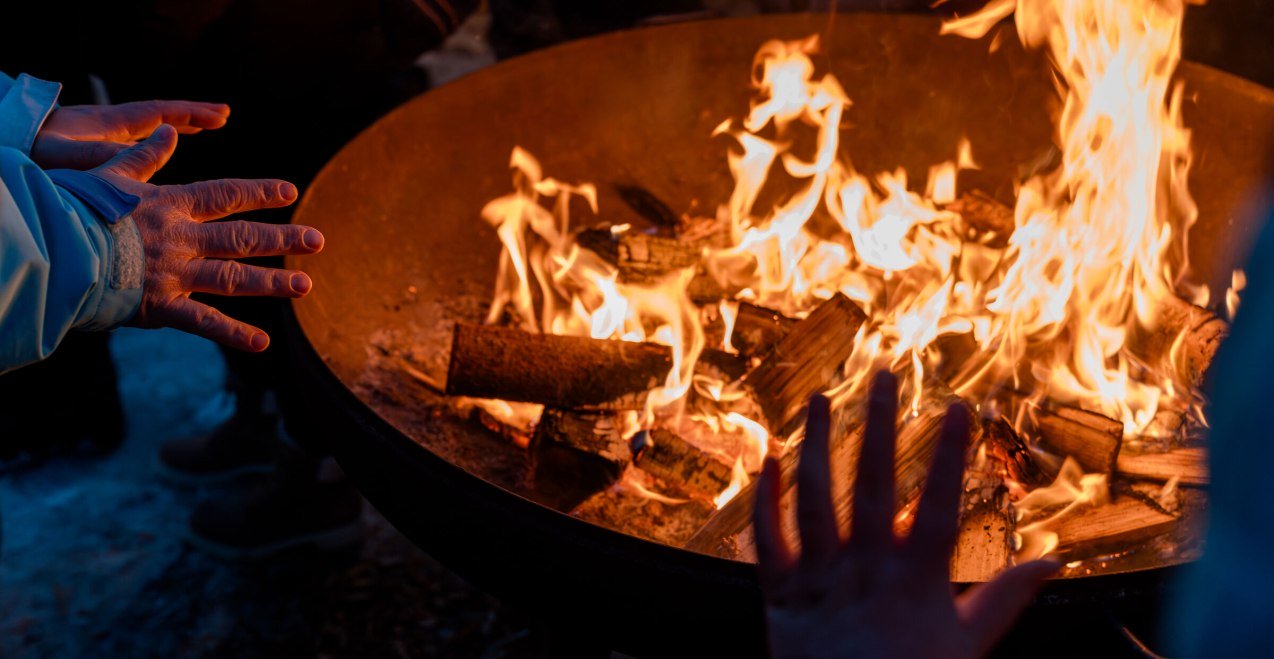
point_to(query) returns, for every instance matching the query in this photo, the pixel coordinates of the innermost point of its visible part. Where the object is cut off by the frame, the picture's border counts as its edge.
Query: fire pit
(409, 275)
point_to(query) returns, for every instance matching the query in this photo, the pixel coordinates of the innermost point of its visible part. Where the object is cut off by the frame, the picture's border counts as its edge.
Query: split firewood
(1007, 447)
(986, 215)
(804, 362)
(575, 454)
(1200, 333)
(1112, 527)
(645, 259)
(1190, 465)
(1092, 439)
(680, 464)
(559, 371)
(984, 547)
(917, 437)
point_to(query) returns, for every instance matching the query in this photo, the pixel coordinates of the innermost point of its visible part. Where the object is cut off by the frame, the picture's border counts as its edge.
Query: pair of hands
(875, 594)
(185, 250)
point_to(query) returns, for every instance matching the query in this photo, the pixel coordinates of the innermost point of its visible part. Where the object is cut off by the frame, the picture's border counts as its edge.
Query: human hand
(187, 253)
(878, 595)
(85, 136)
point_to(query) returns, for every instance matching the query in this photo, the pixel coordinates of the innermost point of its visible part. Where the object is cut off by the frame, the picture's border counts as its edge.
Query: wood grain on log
(1007, 447)
(1092, 439)
(560, 371)
(1189, 464)
(1199, 330)
(984, 547)
(1115, 526)
(804, 362)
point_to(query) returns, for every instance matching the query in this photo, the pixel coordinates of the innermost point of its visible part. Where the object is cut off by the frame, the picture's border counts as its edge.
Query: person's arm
(25, 102)
(63, 264)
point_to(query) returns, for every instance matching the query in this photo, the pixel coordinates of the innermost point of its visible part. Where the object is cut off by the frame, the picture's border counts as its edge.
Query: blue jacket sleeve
(63, 264)
(24, 105)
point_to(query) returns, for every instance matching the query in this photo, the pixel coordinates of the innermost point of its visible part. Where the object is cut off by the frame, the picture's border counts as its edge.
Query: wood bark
(1115, 526)
(1189, 464)
(804, 362)
(575, 454)
(756, 329)
(681, 464)
(560, 371)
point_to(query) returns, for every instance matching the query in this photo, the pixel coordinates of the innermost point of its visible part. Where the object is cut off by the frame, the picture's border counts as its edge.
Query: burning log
(917, 439)
(1199, 330)
(575, 454)
(984, 547)
(1092, 439)
(681, 464)
(804, 361)
(560, 371)
(643, 259)
(1112, 527)
(1007, 447)
(985, 214)
(1189, 464)
(757, 329)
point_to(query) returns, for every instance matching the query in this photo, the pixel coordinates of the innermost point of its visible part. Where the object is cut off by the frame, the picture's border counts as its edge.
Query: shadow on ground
(93, 561)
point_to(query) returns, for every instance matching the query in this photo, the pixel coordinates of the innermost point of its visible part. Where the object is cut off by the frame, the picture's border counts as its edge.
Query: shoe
(267, 518)
(236, 448)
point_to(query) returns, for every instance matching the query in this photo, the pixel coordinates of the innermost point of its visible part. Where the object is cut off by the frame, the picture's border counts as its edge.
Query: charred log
(680, 464)
(560, 371)
(1007, 447)
(1190, 465)
(647, 205)
(985, 215)
(756, 329)
(575, 454)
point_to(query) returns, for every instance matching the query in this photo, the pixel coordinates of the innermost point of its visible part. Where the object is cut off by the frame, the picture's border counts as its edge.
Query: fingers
(774, 557)
(202, 320)
(988, 610)
(937, 522)
(57, 152)
(140, 161)
(234, 278)
(815, 516)
(133, 121)
(241, 239)
(211, 200)
(871, 528)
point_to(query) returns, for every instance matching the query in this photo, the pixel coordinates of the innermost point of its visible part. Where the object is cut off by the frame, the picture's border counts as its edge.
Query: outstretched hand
(186, 252)
(875, 594)
(85, 136)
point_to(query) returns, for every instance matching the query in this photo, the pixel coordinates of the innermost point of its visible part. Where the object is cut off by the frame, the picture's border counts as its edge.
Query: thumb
(57, 152)
(140, 161)
(989, 610)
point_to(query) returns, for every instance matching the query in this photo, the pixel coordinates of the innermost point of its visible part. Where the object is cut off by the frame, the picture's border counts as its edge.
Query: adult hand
(878, 595)
(85, 136)
(186, 252)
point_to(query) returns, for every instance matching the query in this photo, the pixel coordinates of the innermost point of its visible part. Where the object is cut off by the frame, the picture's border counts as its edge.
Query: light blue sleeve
(1223, 608)
(63, 265)
(24, 105)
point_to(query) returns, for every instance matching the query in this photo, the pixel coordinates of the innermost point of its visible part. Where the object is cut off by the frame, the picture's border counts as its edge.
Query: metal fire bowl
(407, 254)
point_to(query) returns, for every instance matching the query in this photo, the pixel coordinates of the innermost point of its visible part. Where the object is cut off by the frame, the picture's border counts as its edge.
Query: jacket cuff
(23, 110)
(121, 277)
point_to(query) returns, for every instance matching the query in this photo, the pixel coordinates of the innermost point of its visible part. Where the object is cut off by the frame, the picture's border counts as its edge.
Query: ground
(93, 561)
